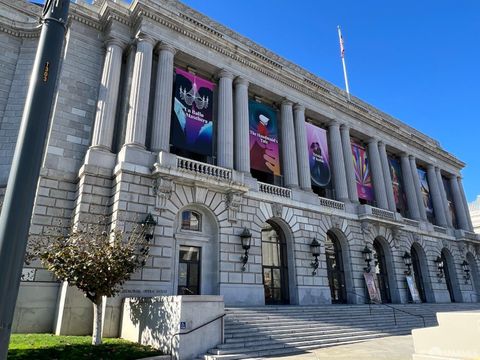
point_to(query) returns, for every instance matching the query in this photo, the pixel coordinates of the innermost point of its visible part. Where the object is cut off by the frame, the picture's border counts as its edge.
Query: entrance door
(382, 273)
(189, 271)
(417, 274)
(336, 277)
(448, 278)
(274, 265)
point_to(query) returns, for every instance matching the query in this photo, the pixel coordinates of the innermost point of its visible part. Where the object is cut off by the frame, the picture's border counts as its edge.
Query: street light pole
(22, 182)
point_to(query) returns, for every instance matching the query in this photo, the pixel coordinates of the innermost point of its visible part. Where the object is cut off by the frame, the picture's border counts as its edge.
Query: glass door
(189, 271)
(336, 276)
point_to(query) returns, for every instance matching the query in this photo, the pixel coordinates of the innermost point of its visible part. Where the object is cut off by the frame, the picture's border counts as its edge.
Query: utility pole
(22, 182)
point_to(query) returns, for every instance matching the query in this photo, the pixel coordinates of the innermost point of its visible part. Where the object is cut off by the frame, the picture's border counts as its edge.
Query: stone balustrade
(333, 204)
(440, 229)
(384, 214)
(203, 169)
(274, 190)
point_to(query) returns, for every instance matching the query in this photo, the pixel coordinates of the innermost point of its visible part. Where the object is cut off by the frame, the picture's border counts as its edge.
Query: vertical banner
(451, 209)
(318, 155)
(264, 145)
(192, 116)
(372, 287)
(412, 286)
(397, 184)
(362, 173)
(425, 189)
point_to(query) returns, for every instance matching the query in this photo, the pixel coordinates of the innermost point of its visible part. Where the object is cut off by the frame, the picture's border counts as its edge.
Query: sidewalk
(388, 348)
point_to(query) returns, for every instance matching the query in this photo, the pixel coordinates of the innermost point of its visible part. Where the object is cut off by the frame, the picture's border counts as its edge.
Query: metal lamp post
(22, 182)
(315, 249)
(407, 260)
(246, 237)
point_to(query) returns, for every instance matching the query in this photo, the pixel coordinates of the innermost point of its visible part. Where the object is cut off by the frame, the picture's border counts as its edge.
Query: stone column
(377, 174)
(458, 204)
(410, 193)
(337, 162)
(162, 110)
(443, 194)
(242, 139)
(302, 147)
(387, 177)
(348, 160)
(290, 172)
(225, 120)
(108, 95)
(465, 204)
(418, 191)
(139, 94)
(436, 196)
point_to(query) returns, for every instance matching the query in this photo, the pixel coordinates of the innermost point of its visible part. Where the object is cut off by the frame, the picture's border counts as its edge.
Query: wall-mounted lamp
(407, 260)
(148, 226)
(246, 237)
(367, 256)
(466, 270)
(439, 262)
(315, 250)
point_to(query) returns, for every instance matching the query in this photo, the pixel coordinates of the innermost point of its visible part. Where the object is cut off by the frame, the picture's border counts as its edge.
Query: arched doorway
(381, 270)
(335, 269)
(275, 265)
(418, 273)
(475, 279)
(450, 276)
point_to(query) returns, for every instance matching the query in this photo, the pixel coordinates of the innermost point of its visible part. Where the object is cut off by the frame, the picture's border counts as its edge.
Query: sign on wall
(264, 145)
(425, 189)
(362, 172)
(397, 184)
(192, 116)
(372, 286)
(318, 155)
(413, 289)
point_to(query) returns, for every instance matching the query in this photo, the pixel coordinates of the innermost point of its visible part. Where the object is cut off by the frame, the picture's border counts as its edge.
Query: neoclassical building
(267, 184)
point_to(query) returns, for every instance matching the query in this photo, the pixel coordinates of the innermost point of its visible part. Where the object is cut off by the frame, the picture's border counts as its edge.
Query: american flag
(342, 48)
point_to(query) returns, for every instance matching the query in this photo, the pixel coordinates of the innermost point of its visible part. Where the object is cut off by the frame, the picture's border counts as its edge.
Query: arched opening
(382, 270)
(196, 257)
(420, 273)
(451, 280)
(275, 265)
(475, 278)
(335, 269)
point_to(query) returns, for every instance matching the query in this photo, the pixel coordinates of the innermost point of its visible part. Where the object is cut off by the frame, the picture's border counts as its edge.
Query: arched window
(191, 220)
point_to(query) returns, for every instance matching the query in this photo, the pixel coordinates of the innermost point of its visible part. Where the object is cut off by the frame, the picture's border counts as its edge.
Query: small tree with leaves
(96, 261)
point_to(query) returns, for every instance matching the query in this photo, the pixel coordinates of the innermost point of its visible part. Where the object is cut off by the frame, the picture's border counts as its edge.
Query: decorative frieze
(162, 188)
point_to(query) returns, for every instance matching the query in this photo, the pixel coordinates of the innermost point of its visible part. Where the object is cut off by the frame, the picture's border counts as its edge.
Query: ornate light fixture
(466, 270)
(440, 265)
(246, 237)
(148, 226)
(407, 259)
(315, 249)
(367, 256)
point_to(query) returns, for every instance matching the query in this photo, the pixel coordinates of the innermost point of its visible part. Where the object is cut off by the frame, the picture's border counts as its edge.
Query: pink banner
(362, 173)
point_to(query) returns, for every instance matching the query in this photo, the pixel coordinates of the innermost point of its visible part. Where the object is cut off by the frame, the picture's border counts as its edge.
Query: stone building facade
(474, 208)
(115, 149)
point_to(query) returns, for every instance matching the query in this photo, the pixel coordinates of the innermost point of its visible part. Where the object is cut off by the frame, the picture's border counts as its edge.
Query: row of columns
(233, 152)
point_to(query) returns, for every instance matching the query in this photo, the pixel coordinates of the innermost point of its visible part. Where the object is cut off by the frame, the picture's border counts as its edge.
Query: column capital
(411, 157)
(115, 42)
(430, 167)
(240, 81)
(381, 144)
(224, 73)
(372, 140)
(404, 155)
(163, 46)
(345, 127)
(299, 107)
(143, 36)
(334, 123)
(286, 102)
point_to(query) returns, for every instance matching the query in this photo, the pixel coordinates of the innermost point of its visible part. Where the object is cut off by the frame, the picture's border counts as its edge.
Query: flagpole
(342, 55)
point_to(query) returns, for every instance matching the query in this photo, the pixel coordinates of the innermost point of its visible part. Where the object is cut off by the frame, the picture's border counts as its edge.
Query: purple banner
(397, 184)
(318, 155)
(264, 148)
(425, 189)
(362, 173)
(451, 208)
(192, 117)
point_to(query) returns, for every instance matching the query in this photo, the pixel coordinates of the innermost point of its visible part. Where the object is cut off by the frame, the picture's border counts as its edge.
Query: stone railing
(440, 229)
(204, 169)
(274, 190)
(411, 222)
(470, 235)
(332, 203)
(385, 214)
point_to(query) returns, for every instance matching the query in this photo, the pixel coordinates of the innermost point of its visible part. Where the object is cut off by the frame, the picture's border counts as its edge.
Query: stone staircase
(252, 333)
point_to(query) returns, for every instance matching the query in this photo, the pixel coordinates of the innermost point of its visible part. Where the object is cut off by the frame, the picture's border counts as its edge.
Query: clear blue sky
(416, 60)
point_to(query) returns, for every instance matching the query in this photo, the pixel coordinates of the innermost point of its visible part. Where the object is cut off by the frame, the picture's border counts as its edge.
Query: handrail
(192, 330)
(370, 301)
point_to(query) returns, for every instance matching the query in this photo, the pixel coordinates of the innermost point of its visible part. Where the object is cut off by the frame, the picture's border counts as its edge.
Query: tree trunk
(97, 321)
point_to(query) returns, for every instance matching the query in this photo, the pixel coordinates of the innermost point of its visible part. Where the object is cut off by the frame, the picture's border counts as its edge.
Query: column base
(134, 155)
(100, 157)
(304, 196)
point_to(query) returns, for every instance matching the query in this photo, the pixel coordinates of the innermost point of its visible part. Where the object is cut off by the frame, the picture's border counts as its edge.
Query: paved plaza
(388, 348)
